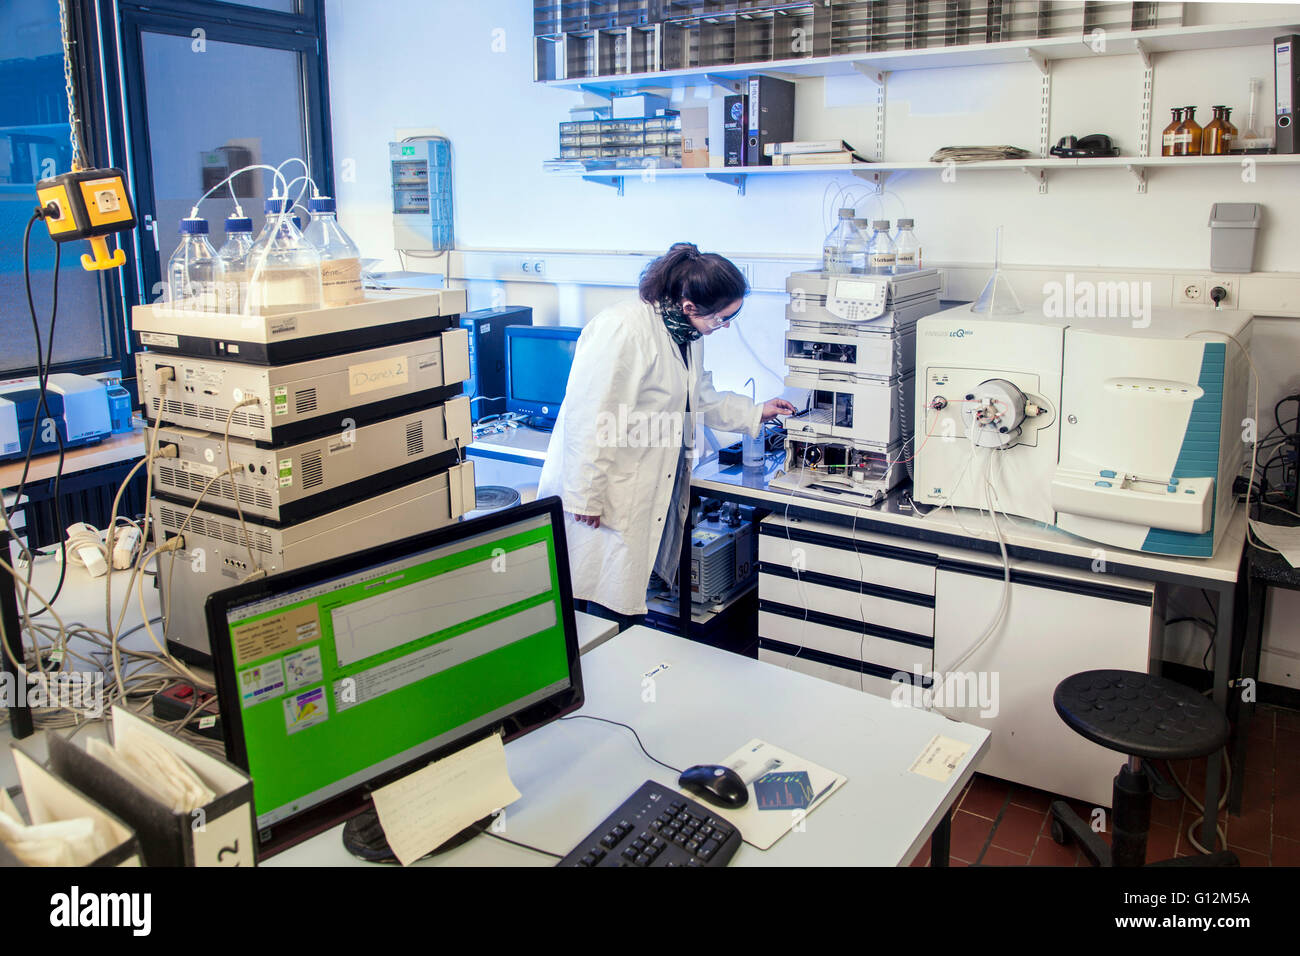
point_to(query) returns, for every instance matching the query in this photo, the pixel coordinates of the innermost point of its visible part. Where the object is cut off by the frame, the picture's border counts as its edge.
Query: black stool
(1147, 718)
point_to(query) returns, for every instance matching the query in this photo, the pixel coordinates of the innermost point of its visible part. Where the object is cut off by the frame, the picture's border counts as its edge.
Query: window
(34, 144)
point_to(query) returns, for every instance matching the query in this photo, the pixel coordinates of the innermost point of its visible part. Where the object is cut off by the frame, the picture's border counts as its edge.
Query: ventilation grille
(170, 477)
(313, 470)
(415, 438)
(305, 400)
(207, 413)
(216, 528)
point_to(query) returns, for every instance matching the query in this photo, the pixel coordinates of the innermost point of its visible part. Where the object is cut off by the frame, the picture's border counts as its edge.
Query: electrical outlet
(1229, 300)
(1189, 290)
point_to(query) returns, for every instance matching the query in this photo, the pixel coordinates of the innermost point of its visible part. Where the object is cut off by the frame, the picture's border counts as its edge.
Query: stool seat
(1140, 715)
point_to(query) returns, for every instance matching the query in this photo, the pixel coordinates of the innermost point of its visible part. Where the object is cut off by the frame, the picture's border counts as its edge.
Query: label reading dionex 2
(370, 376)
(158, 340)
(286, 472)
(281, 400)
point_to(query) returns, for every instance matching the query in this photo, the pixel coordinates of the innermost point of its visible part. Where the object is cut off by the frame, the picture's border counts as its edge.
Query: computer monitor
(538, 359)
(339, 678)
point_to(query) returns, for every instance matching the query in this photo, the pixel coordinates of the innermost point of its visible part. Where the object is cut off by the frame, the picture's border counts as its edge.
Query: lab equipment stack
(851, 342)
(294, 431)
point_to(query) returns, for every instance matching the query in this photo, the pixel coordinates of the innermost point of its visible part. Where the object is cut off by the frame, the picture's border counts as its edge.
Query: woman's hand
(777, 406)
(592, 520)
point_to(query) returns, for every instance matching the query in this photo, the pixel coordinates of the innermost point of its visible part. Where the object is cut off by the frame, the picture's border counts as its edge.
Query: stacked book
(817, 152)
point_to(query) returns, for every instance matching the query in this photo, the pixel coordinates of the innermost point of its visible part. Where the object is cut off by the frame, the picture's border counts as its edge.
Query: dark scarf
(677, 324)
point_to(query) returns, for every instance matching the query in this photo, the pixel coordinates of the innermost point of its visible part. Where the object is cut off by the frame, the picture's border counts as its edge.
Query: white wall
(404, 63)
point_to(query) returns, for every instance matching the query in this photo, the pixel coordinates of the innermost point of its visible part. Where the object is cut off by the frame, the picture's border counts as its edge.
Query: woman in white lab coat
(621, 451)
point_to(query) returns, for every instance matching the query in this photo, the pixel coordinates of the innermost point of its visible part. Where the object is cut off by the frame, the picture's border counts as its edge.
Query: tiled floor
(1004, 824)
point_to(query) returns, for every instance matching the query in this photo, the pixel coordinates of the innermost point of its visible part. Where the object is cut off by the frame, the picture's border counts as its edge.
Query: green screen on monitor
(342, 680)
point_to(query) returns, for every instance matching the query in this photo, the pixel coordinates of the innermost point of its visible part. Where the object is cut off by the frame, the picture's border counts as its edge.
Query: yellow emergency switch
(88, 204)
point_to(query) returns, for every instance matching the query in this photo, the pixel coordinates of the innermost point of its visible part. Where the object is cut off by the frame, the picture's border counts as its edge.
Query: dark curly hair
(683, 272)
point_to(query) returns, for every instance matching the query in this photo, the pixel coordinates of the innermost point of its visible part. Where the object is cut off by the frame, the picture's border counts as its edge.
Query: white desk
(572, 773)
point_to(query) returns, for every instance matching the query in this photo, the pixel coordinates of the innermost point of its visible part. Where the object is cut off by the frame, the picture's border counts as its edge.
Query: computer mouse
(720, 786)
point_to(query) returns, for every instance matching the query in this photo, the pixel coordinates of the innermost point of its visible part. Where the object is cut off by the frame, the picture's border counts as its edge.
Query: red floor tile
(969, 834)
(1032, 798)
(1257, 791)
(1162, 843)
(986, 797)
(1250, 857)
(1259, 753)
(923, 857)
(1285, 852)
(1018, 830)
(997, 856)
(1047, 853)
(1251, 831)
(1286, 816)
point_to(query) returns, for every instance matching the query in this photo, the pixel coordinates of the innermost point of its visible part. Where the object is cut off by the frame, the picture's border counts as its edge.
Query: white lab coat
(617, 445)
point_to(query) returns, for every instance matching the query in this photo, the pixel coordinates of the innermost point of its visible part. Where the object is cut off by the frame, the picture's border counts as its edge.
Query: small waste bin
(1233, 228)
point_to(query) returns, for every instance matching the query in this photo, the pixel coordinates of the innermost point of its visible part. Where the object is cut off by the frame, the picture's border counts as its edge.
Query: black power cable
(43, 363)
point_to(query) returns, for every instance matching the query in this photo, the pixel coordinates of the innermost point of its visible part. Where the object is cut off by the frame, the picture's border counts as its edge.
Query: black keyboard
(657, 826)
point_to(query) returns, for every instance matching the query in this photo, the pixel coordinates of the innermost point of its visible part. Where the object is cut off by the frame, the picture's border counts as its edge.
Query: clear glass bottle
(837, 247)
(1214, 135)
(191, 271)
(857, 246)
(232, 264)
(283, 267)
(881, 255)
(1167, 139)
(340, 261)
(907, 248)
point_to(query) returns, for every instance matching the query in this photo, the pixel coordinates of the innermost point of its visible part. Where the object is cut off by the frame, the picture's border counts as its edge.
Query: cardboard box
(695, 137)
(219, 834)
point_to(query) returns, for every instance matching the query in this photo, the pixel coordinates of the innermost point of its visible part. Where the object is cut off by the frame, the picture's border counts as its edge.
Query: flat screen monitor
(339, 678)
(538, 359)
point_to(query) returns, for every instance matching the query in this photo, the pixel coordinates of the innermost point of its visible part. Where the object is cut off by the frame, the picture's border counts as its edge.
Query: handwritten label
(371, 376)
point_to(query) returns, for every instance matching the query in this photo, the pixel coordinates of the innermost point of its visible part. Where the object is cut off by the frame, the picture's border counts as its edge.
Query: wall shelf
(1144, 43)
(878, 173)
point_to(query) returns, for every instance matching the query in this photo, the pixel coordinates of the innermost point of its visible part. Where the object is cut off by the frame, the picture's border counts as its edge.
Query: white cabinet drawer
(848, 602)
(865, 682)
(826, 554)
(852, 645)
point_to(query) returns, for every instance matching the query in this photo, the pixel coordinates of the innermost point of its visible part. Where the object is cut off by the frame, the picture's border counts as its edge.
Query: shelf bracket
(1039, 174)
(1140, 48)
(876, 177)
(615, 181)
(731, 179)
(1140, 174)
(730, 84)
(870, 72)
(1039, 60)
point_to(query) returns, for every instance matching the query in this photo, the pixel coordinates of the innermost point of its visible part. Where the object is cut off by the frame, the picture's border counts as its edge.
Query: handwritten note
(425, 809)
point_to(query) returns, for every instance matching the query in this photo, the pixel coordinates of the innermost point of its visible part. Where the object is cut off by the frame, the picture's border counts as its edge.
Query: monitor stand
(363, 837)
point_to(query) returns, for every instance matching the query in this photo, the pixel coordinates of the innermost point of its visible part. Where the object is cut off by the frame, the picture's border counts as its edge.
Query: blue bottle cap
(275, 206)
(239, 224)
(194, 227)
(320, 204)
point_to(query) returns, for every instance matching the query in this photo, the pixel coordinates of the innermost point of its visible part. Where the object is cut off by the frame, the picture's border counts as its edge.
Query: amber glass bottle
(1189, 133)
(1215, 135)
(1167, 139)
(1232, 134)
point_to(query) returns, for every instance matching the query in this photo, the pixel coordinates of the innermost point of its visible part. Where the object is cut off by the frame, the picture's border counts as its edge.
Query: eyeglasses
(720, 320)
